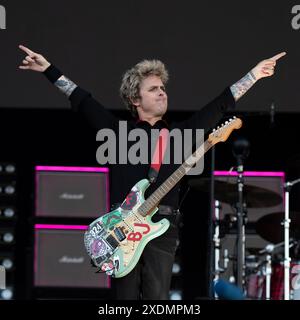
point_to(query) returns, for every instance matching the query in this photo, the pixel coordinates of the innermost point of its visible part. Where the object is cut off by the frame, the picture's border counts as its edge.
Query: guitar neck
(155, 198)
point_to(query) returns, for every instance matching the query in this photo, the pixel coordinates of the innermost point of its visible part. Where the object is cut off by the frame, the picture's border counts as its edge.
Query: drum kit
(273, 272)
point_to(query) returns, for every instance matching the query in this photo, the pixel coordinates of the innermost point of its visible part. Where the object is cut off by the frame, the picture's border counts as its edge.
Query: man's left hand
(266, 67)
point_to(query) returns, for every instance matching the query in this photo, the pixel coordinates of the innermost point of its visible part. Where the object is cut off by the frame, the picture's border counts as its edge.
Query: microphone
(227, 291)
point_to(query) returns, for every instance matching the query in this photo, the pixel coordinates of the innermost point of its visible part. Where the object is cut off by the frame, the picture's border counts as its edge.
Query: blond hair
(131, 81)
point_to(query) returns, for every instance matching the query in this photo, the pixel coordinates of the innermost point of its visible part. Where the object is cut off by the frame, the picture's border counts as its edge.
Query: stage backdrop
(206, 46)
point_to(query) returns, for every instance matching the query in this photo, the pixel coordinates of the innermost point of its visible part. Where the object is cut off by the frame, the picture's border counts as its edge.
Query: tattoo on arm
(243, 85)
(65, 85)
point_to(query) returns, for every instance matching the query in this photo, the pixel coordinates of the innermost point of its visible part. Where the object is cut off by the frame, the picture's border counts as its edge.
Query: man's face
(153, 98)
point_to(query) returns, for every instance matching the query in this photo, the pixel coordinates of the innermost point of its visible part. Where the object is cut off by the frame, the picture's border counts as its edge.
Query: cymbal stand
(240, 230)
(267, 267)
(287, 188)
(216, 240)
(241, 152)
(268, 273)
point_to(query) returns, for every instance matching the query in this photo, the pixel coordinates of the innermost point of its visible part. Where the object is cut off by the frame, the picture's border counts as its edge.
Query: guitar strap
(158, 155)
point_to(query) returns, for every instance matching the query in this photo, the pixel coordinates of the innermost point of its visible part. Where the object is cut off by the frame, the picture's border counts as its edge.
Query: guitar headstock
(223, 132)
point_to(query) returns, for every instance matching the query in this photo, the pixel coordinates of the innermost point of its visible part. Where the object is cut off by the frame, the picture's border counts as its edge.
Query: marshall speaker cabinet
(80, 192)
(60, 259)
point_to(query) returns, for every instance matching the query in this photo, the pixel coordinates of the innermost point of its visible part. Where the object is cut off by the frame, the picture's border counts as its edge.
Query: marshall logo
(2, 17)
(68, 196)
(74, 260)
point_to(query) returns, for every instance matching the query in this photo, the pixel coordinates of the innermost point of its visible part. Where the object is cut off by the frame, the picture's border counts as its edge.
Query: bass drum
(256, 283)
(277, 281)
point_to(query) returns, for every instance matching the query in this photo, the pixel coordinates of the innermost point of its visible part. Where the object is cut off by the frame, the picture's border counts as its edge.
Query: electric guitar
(116, 240)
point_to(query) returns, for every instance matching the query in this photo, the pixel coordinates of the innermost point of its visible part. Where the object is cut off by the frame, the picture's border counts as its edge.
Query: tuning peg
(226, 122)
(234, 117)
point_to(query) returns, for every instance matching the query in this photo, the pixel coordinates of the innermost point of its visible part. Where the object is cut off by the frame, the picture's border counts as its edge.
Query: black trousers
(151, 277)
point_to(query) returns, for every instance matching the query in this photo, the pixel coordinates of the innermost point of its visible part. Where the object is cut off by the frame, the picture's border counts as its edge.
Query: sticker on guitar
(130, 201)
(137, 236)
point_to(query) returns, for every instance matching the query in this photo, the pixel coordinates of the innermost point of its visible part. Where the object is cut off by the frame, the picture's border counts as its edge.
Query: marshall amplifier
(80, 192)
(60, 259)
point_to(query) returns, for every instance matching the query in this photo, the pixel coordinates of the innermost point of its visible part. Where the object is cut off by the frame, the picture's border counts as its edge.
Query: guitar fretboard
(155, 198)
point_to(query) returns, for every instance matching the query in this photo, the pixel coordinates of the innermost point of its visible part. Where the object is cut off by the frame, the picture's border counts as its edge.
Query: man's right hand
(33, 61)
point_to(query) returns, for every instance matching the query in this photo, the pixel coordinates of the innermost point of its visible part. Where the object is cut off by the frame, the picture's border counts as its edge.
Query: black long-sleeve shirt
(124, 176)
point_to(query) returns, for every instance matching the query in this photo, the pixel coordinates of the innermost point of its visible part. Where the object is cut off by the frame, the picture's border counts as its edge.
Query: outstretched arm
(81, 100)
(36, 62)
(262, 70)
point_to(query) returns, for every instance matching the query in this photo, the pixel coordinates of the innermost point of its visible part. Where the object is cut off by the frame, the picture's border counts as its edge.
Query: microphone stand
(287, 188)
(241, 152)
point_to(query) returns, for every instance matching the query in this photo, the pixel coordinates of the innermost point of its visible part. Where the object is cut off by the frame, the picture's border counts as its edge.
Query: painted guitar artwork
(116, 240)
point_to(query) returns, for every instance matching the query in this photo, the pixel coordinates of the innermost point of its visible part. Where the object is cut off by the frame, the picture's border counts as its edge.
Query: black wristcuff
(52, 73)
(230, 102)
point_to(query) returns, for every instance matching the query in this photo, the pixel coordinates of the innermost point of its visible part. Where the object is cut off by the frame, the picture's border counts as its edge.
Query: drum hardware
(287, 189)
(240, 151)
(276, 248)
(264, 272)
(226, 259)
(270, 228)
(240, 196)
(216, 240)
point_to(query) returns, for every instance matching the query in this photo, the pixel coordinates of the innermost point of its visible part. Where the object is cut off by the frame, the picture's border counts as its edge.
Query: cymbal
(271, 229)
(254, 197)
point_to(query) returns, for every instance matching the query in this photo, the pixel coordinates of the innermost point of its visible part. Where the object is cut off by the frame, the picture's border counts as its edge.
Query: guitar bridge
(112, 242)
